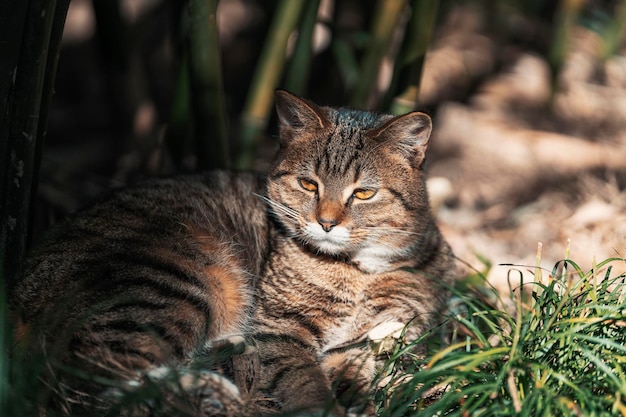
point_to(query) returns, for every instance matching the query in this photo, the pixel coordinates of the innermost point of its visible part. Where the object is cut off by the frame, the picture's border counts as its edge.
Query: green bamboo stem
(269, 69)
(30, 40)
(410, 66)
(298, 71)
(566, 18)
(56, 35)
(11, 30)
(24, 118)
(616, 32)
(206, 86)
(12, 22)
(387, 17)
(346, 61)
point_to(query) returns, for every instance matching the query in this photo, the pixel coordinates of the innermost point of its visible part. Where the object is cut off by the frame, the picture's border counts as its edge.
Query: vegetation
(559, 351)
(30, 36)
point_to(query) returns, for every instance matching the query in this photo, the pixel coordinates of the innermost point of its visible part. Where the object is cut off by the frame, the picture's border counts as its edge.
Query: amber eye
(308, 185)
(364, 194)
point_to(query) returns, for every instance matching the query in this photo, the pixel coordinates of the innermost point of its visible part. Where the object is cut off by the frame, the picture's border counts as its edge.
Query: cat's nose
(327, 225)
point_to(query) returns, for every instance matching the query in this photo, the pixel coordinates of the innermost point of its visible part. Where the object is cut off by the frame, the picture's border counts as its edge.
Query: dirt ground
(527, 163)
(515, 159)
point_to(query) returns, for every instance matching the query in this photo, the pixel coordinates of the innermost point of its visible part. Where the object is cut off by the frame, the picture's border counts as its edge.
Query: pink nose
(327, 225)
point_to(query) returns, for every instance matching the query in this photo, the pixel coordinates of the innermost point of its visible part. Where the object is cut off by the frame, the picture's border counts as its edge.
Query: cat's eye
(364, 194)
(308, 185)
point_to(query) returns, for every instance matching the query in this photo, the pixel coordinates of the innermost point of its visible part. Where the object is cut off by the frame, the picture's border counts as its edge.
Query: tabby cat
(336, 243)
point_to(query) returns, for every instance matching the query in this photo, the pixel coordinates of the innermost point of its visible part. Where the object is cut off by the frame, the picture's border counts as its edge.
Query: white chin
(332, 243)
(329, 248)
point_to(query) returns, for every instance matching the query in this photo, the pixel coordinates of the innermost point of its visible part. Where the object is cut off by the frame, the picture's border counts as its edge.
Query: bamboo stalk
(11, 30)
(56, 35)
(387, 17)
(347, 64)
(298, 71)
(566, 18)
(24, 119)
(5, 347)
(12, 23)
(410, 66)
(616, 32)
(30, 40)
(258, 106)
(206, 86)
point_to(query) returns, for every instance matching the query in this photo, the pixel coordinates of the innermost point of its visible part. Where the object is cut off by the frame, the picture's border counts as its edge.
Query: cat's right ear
(296, 116)
(410, 133)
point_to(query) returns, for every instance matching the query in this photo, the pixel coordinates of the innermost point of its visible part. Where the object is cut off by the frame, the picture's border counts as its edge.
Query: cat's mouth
(335, 241)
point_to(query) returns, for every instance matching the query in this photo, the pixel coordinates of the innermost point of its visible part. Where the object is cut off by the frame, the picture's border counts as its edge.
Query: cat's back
(155, 270)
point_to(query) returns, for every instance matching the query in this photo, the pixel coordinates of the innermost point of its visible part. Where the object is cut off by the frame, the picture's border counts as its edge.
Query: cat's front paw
(334, 412)
(165, 391)
(217, 395)
(384, 337)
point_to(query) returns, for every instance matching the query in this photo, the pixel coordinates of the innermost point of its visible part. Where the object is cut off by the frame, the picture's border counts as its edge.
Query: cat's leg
(415, 300)
(204, 387)
(164, 391)
(351, 372)
(291, 379)
(386, 320)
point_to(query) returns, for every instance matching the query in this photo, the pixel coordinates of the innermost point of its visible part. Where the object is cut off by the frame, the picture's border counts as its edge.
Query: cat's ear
(296, 115)
(410, 132)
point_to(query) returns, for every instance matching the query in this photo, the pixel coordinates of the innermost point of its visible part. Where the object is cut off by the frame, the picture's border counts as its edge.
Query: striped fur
(341, 266)
(146, 279)
(337, 241)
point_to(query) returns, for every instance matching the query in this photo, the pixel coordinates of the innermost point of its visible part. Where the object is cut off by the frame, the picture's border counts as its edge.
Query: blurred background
(528, 100)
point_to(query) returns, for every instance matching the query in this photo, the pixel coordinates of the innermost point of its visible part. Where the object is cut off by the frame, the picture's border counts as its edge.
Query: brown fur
(154, 277)
(341, 266)
(148, 278)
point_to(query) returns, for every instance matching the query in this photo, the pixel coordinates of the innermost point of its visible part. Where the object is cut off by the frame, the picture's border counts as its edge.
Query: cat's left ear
(297, 115)
(410, 132)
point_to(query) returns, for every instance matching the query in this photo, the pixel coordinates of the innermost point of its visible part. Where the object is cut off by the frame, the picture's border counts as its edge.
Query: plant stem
(33, 30)
(566, 17)
(409, 68)
(386, 19)
(616, 31)
(257, 109)
(206, 86)
(298, 72)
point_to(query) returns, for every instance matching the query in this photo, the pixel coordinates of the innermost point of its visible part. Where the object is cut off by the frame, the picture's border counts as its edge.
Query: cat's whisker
(274, 205)
(386, 231)
(285, 210)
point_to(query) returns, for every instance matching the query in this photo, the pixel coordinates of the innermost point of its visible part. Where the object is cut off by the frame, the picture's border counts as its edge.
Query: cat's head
(350, 183)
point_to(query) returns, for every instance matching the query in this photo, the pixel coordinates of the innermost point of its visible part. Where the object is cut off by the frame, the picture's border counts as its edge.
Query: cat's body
(159, 272)
(323, 322)
(358, 249)
(145, 279)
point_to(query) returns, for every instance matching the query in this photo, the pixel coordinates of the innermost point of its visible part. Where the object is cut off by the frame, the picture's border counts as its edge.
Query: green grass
(560, 351)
